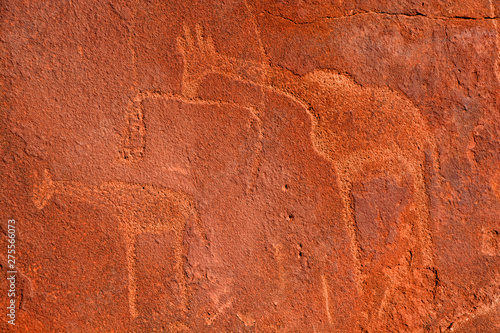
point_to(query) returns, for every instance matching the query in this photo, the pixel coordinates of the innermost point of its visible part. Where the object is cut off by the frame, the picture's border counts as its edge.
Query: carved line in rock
(247, 320)
(201, 59)
(478, 303)
(153, 210)
(327, 298)
(134, 138)
(495, 184)
(386, 155)
(134, 141)
(492, 9)
(490, 244)
(278, 256)
(394, 155)
(265, 58)
(137, 129)
(347, 168)
(257, 150)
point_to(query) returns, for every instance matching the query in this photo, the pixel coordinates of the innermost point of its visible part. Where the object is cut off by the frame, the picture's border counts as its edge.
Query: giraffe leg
(179, 267)
(345, 186)
(131, 269)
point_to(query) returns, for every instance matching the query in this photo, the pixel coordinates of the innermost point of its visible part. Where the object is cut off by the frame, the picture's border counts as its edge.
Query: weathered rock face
(251, 166)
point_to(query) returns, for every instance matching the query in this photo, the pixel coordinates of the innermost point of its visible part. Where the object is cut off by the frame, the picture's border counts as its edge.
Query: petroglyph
(201, 58)
(257, 123)
(210, 318)
(365, 132)
(293, 151)
(495, 183)
(43, 190)
(247, 320)
(492, 8)
(490, 242)
(140, 209)
(327, 298)
(134, 140)
(350, 127)
(413, 286)
(369, 133)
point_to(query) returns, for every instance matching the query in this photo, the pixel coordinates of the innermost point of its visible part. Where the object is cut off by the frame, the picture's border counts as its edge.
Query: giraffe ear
(43, 189)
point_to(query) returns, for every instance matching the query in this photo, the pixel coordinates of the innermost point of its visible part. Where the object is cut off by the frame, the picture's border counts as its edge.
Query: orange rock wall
(251, 165)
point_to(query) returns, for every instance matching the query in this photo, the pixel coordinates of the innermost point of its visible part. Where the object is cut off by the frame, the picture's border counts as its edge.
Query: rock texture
(251, 165)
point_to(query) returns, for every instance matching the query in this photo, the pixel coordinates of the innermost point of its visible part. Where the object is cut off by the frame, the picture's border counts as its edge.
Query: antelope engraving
(140, 209)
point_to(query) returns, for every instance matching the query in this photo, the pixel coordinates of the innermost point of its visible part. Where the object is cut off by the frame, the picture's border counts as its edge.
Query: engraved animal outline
(201, 58)
(134, 140)
(354, 165)
(160, 210)
(133, 149)
(399, 156)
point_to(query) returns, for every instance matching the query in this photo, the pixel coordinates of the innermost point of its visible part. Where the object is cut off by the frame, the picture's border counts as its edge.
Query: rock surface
(251, 165)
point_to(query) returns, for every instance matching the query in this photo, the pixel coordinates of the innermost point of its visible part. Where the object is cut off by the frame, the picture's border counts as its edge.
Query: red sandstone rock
(260, 166)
